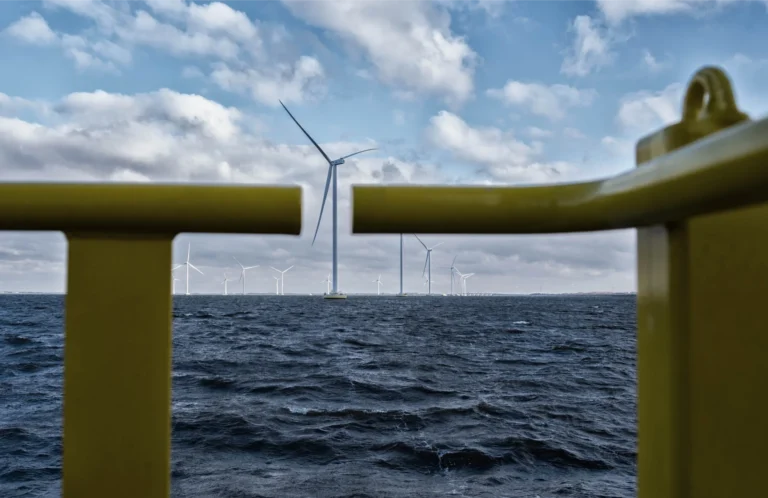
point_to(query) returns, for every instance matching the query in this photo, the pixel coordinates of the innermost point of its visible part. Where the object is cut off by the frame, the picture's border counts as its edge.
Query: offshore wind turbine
(328, 282)
(378, 285)
(427, 262)
(464, 281)
(331, 175)
(453, 272)
(173, 288)
(188, 265)
(282, 274)
(277, 285)
(242, 271)
(225, 282)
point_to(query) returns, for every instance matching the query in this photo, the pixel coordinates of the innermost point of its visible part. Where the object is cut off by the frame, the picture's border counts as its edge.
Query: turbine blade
(307, 134)
(322, 206)
(250, 267)
(454, 260)
(424, 272)
(439, 243)
(289, 268)
(176, 267)
(238, 262)
(189, 249)
(195, 268)
(422, 243)
(358, 152)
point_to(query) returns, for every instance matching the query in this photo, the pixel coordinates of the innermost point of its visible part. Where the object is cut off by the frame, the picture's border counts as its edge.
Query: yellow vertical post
(702, 331)
(117, 367)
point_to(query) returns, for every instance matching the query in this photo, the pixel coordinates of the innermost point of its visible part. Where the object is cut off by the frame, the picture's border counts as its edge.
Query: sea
(295, 396)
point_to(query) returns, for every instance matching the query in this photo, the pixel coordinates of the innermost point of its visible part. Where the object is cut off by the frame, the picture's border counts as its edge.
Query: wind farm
(456, 283)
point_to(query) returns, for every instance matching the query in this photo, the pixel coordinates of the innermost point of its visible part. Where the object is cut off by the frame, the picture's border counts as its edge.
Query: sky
(449, 91)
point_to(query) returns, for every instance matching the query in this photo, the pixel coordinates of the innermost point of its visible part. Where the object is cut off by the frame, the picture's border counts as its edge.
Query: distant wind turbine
(242, 271)
(427, 263)
(378, 285)
(225, 282)
(331, 174)
(188, 265)
(464, 282)
(453, 272)
(328, 282)
(173, 288)
(282, 274)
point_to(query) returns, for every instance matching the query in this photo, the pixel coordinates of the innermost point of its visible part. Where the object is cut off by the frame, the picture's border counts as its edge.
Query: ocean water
(283, 396)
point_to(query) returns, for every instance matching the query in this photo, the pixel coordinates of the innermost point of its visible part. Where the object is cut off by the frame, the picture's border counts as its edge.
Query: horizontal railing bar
(148, 209)
(726, 170)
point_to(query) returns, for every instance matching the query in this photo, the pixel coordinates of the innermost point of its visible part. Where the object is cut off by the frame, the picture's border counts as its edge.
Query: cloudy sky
(450, 91)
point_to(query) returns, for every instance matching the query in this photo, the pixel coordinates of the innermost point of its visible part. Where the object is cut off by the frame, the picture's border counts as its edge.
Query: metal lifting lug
(709, 107)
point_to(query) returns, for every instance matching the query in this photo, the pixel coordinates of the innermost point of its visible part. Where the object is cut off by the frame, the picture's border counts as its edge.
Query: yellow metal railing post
(117, 338)
(117, 367)
(700, 201)
(702, 331)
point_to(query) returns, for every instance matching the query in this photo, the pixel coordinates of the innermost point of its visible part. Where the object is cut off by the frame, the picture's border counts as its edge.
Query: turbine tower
(282, 275)
(277, 285)
(188, 265)
(328, 282)
(378, 285)
(242, 271)
(225, 282)
(173, 284)
(331, 175)
(427, 263)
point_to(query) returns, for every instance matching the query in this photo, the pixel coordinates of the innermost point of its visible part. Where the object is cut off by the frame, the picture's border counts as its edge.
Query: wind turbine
(277, 285)
(282, 274)
(242, 271)
(188, 265)
(378, 285)
(328, 282)
(225, 282)
(453, 272)
(173, 284)
(464, 281)
(331, 174)
(427, 262)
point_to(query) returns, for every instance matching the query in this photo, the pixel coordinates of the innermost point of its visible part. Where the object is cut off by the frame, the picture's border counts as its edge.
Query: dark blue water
(285, 396)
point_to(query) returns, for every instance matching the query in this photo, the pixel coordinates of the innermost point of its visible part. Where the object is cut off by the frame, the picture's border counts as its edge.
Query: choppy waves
(384, 397)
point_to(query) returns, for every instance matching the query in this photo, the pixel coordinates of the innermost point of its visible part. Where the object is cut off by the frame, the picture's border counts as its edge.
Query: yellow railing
(699, 199)
(117, 342)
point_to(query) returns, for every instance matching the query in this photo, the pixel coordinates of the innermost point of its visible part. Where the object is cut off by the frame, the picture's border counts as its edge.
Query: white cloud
(548, 101)
(646, 111)
(292, 83)
(650, 61)
(616, 11)
(590, 50)
(535, 132)
(32, 29)
(409, 43)
(503, 158)
(216, 33)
